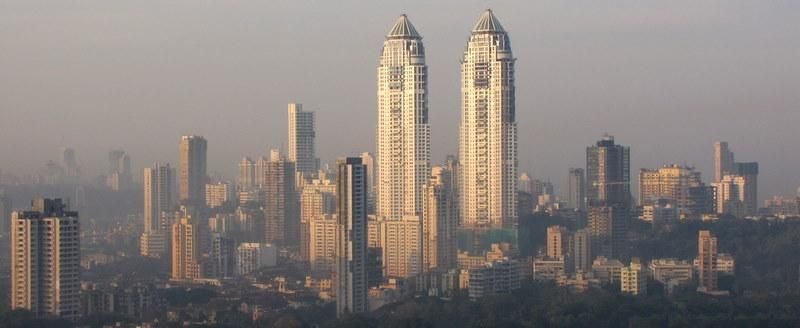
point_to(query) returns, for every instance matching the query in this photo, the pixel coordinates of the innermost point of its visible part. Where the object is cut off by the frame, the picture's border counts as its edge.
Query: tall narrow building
(119, 170)
(158, 182)
(369, 161)
(247, 174)
(281, 213)
(577, 189)
(403, 134)
(351, 237)
(723, 160)
(45, 260)
(608, 173)
(608, 196)
(192, 168)
(439, 222)
(707, 260)
(488, 137)
(301, 140)
(749, 172)
(185, 250)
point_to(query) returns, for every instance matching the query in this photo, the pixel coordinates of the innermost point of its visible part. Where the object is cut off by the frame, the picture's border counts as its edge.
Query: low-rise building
(580, 282)
(671, 272)
(633, 278)
(607, 270)
(548, 268)
(498, 277)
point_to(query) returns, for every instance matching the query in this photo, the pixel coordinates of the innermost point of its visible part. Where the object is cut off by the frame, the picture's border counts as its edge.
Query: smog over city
(399, 164)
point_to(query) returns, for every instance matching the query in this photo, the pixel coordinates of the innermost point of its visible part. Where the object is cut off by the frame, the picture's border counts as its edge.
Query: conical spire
(403, 29)
(488, 23)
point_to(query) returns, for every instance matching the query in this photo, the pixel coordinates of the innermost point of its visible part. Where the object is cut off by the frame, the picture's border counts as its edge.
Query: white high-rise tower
(488, 143)
(301, 140)
(403, 136)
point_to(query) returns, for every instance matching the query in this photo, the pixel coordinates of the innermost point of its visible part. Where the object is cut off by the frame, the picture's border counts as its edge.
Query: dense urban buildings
(301, 140)
(45, 259)
(266, 240)
(488, 132)
(192, 170)
(351, 237)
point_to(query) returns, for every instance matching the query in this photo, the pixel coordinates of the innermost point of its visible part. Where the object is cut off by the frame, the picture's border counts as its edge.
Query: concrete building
(45, 260)
(558, 240)
(707, 261)
(749, 173)
(577, 189)
(369, 161)
(723, 160)
(192, 170)
(488, 130)
(317, 198)
(119, 170)
(401, 241)
(495, 278)
(608, 173)
(671, 272)
(403, 133)
(185, 250)
(661, 213)
(219, 194)
(281, 217)
(222, 257)
(253, 256)
(322, 244)
(671, 182)
(580, 282)
(158, 182)
(608, 195)
(731, 195)
(607, 270)
(5, 212)
(439, 222)
(351, 237)
(607, 227)
(725, 264)
(301, 140)
(582, 251)
(247, 175)
(633, 278)
(525, 183)
(548, 268)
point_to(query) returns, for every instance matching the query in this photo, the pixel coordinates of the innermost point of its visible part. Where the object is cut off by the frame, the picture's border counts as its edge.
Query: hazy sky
(665, 77)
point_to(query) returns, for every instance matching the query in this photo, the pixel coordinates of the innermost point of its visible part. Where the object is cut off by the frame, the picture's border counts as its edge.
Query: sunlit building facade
(488, 132)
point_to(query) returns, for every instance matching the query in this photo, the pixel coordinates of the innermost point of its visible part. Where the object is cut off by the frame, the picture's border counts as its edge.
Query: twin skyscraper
(487, 177)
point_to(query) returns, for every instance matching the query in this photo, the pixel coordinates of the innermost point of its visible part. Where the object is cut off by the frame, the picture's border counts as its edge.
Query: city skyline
(541, 96)
(414, 222)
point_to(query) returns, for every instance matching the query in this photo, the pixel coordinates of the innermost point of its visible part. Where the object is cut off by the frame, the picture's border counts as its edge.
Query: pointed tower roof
(403, 29)
(488, 23)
